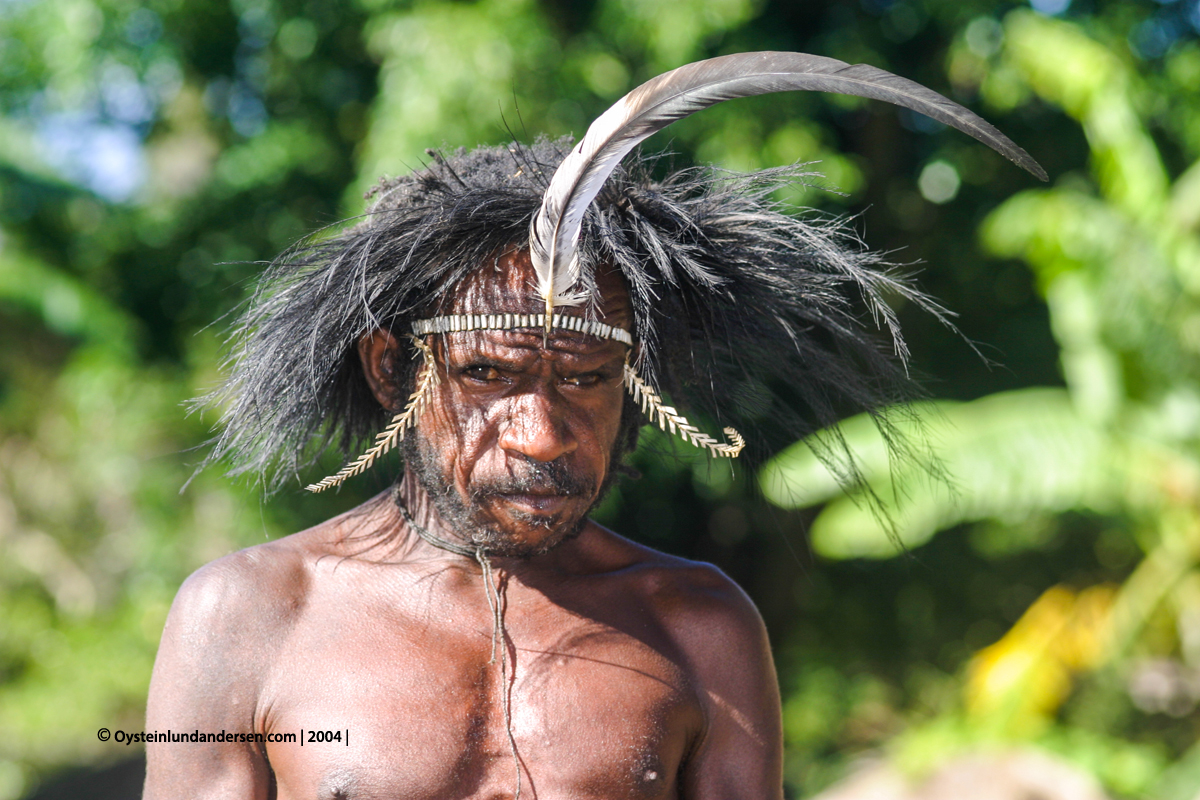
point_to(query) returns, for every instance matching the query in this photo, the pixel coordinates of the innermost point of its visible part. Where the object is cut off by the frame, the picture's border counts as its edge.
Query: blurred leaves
(1009, 457)
(1026, 676)
(153, 155)
(1113, 248)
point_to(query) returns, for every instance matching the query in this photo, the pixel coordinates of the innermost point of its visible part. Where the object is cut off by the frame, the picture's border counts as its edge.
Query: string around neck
(492, 592)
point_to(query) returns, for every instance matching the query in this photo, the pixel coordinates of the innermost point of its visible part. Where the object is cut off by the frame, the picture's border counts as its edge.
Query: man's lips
(536, 503)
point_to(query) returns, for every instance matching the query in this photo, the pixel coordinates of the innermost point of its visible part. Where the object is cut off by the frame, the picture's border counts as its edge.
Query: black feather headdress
(729, 291)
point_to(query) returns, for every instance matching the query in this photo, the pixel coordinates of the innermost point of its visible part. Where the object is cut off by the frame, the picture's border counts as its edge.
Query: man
(471, 633)
(621, 678)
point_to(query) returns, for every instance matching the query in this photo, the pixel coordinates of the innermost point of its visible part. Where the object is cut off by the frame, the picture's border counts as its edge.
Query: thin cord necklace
(499, 635)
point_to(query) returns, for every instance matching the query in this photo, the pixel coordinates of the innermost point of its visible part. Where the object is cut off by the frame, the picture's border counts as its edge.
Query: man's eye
(590, 379)
(481, 372)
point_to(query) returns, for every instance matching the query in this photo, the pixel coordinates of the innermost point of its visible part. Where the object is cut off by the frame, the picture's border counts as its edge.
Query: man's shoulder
(263, 586)
(714, 626)
(276, 574)
(681, 590)
(223, 633)
(244, 578)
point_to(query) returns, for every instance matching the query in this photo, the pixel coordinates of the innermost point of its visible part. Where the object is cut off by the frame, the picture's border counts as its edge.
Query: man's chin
(517, 532)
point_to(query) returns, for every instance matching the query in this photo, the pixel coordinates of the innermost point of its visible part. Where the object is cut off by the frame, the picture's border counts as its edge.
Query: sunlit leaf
(1006, 457)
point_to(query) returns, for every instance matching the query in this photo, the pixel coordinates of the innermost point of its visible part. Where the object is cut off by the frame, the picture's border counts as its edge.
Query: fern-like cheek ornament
(667, 417)
(393, 434)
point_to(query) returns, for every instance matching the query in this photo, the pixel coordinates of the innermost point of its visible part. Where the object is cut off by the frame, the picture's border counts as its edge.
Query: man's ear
(380, 352)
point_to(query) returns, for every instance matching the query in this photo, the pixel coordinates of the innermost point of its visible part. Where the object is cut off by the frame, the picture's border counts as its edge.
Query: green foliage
(1112, 246)
(977, 465)
(153, 154)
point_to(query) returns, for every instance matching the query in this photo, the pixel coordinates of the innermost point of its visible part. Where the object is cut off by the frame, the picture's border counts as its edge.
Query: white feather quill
(554, 232)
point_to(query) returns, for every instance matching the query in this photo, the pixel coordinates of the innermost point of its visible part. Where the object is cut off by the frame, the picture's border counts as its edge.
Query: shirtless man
(473, 634)
(632, 673)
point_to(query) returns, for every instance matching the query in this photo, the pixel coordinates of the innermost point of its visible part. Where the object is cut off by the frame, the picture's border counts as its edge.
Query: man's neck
(458, 548)
(423, 525)
(431, 537)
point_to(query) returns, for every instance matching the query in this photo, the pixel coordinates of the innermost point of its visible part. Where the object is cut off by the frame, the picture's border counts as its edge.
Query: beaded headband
(666, 417)
(508, 322)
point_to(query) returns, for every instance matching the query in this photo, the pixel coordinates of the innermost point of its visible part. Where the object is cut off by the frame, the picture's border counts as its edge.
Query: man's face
(519, 440)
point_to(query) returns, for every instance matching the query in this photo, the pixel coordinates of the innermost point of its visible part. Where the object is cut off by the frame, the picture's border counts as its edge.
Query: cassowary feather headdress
(728, 290)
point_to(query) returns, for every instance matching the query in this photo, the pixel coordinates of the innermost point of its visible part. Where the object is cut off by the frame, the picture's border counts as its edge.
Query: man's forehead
(508, 285)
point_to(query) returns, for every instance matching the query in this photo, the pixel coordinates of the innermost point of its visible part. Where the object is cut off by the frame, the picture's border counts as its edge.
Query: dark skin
(632, 674)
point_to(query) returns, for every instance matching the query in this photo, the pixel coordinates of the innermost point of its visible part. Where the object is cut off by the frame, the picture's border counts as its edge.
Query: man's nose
(537, 428)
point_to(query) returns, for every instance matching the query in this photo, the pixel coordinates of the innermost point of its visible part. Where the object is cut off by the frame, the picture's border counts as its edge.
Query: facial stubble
(468, 521)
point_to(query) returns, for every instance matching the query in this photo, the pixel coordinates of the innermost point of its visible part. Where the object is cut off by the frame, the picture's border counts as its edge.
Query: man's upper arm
(215, 648)
(740, 754)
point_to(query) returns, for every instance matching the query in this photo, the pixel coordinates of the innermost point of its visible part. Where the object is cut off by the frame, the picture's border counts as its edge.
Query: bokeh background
(1045, 607)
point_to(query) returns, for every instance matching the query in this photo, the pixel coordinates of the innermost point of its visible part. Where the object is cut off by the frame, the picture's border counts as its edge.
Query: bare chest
(591, 707)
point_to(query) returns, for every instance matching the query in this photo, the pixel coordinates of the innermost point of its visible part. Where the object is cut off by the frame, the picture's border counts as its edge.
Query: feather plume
(554, 232)
(698, 249)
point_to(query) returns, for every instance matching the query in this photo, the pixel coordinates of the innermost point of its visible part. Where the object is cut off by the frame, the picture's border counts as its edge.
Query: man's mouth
(548, 491)
(536, 503)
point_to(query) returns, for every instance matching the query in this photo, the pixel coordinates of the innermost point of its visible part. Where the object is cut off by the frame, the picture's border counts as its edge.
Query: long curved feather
(554, 232)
